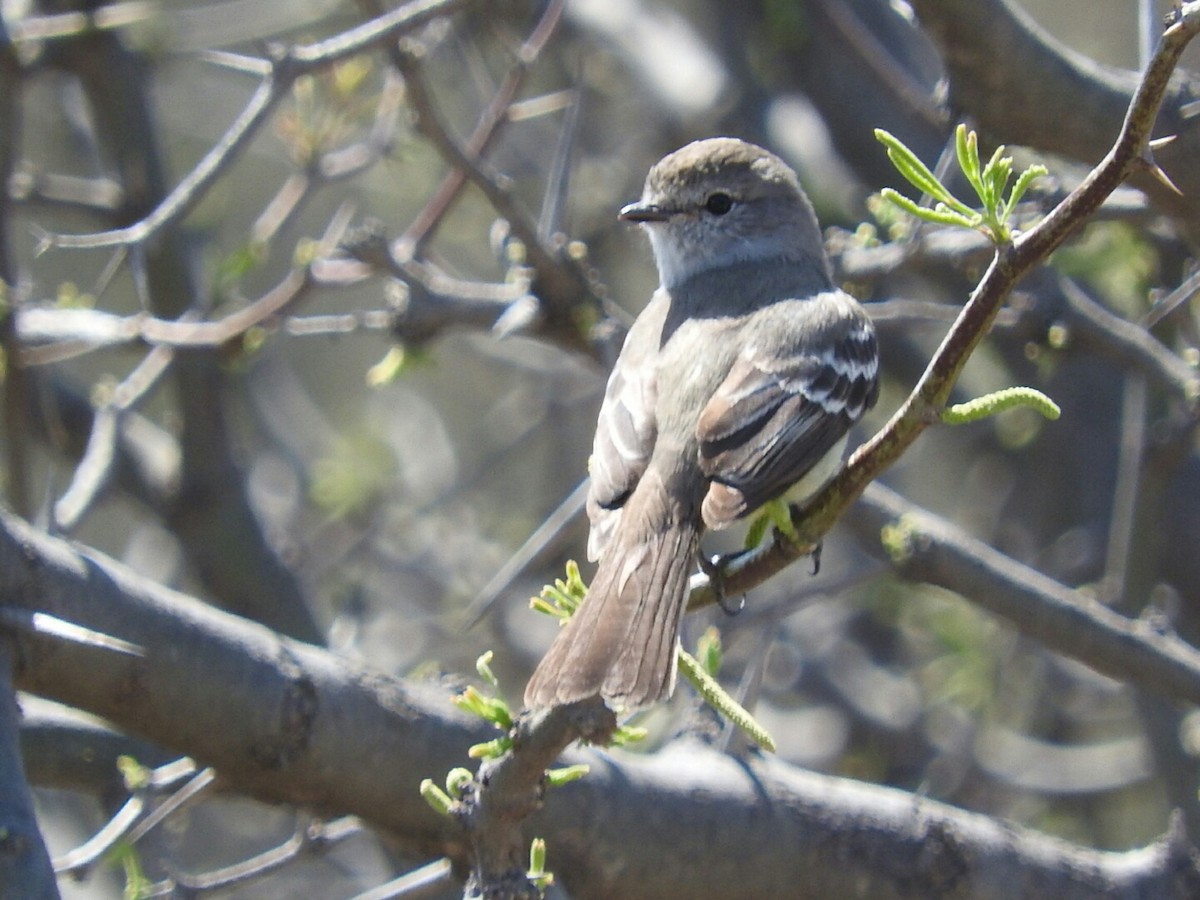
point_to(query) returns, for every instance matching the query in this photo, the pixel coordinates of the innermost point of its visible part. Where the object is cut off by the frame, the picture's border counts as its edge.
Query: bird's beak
(643, 212)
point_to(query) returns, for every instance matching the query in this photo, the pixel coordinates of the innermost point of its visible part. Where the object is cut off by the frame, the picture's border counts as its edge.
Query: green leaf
(1024, 180)
(996, 175)
(493, 749)
(137, 885)
(537, 865)
(938, 216)
(915, 171)
(241, 262)
(492, 709)
(756, 532)
(483, 666)
(709, 652)
(897, 539)
(966, 148)
(456, 781)
(566, 774)
(388, 369)
(438, 799)
(628, 734)
(562, 598)
(135, 775)
(537, 856)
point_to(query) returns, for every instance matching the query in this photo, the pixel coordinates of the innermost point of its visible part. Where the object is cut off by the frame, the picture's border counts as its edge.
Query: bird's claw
(714, 571)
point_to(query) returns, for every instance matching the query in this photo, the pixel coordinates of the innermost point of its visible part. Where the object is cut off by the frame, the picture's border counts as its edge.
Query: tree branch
(286, 67)
(1021, 86)
(565, 292)
(1139, 650)
(272, 716)
(25, 869)
(270, 713)
(924, 404)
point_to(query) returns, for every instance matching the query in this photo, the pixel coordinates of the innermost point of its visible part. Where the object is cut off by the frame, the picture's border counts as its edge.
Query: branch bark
(935, 551)
(25, 869)
(273, 716)
(270, 713)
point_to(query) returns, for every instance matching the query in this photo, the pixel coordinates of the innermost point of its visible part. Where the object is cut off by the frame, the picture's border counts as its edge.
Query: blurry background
(397, 459)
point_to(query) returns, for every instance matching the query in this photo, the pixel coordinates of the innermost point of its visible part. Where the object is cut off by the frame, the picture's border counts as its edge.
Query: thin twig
(128, 822)
(552, 526)
(560, 285)
(96, 468)
(417, 883)
(486, 131)
(289, 65)
(1125, 490)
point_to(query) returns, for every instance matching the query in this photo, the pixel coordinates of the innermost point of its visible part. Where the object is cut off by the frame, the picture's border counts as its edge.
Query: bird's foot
(714, 570)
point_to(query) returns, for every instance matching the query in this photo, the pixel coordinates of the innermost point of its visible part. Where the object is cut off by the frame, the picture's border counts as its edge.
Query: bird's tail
(621, 642)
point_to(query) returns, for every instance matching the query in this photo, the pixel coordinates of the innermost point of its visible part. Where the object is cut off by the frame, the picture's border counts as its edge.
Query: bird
(736, 384)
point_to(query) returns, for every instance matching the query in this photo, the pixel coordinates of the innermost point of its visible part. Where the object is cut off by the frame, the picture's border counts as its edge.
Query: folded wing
(775, 417)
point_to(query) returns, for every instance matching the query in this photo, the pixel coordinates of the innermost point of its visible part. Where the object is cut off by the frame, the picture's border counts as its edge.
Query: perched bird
(738, 381)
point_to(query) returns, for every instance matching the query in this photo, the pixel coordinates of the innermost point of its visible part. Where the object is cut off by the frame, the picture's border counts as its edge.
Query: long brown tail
(621, 642)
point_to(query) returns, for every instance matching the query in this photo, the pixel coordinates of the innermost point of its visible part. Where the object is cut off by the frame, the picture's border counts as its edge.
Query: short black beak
(643, 212)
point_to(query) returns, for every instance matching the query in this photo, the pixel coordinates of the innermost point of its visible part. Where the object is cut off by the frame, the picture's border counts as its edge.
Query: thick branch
(273, 716)
(1062, 619)
(25, 869)
(764, 829)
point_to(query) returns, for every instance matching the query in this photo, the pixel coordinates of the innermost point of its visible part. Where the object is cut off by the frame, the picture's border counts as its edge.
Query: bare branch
(486, 131)
(1139, 650)
(96, 468)
(138, 815)
(288, 65)
(564, 290)
(271, 714)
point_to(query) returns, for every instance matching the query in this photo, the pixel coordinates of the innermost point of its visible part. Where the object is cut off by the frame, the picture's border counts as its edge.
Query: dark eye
(718, 204)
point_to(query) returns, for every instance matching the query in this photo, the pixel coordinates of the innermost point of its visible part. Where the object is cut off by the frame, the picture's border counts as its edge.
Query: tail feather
(621, 642)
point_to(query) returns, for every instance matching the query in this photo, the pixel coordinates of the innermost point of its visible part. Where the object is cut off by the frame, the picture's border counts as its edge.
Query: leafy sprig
(989, 181)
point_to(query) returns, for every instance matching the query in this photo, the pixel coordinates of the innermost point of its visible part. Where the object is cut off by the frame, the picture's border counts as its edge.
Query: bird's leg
(778, 513)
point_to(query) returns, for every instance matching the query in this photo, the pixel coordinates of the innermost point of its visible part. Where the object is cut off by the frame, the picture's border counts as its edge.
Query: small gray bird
(736, 384)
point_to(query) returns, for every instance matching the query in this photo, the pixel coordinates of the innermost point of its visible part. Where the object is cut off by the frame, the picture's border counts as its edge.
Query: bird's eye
(718, 204)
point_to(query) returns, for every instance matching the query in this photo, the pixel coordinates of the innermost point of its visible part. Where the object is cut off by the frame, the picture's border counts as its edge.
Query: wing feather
(776, 417)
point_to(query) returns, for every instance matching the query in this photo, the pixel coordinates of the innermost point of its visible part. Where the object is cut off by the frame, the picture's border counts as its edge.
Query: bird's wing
(777, 414)
(625, 434)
